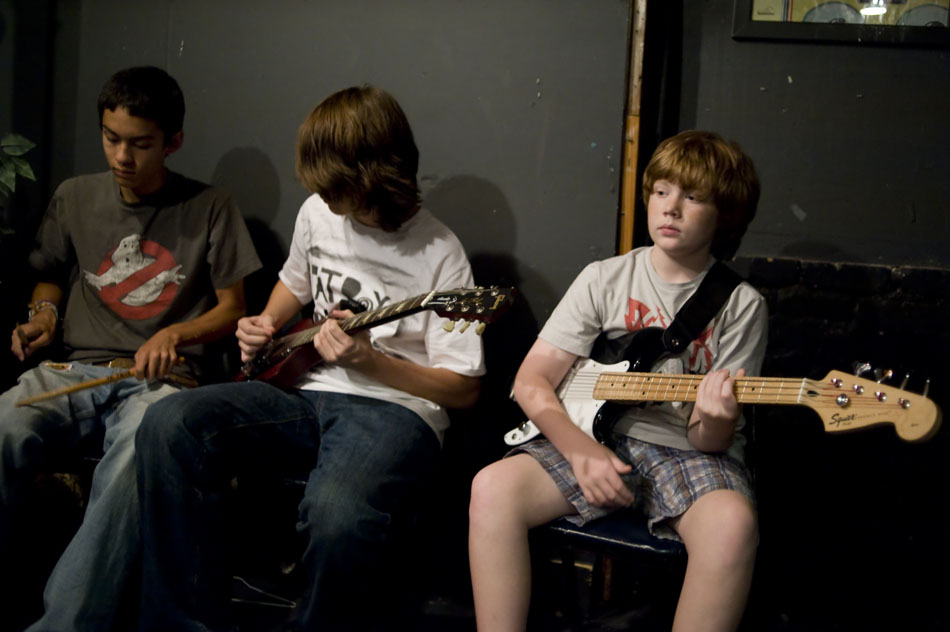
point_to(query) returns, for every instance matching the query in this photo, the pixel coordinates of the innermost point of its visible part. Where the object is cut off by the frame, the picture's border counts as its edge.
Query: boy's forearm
(538, 399)
(282, 305)
(46, 291)
(711, 436)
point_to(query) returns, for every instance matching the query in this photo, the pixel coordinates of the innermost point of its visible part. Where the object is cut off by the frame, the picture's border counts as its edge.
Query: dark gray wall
(6, 65)
(851, 141)
(517, 109)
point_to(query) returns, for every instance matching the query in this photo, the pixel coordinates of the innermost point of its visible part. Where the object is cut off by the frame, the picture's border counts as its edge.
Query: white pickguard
(576, 393)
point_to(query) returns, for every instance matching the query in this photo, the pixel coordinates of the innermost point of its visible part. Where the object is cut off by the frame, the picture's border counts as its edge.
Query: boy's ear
(174, 143)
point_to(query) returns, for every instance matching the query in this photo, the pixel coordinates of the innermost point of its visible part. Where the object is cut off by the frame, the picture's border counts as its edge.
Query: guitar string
(302, 337)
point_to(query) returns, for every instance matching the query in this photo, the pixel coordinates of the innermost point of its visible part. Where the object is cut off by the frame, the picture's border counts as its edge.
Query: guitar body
(637, 351)
(282, 364)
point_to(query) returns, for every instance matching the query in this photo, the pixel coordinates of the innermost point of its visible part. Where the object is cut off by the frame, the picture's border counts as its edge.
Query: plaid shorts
(665, 481)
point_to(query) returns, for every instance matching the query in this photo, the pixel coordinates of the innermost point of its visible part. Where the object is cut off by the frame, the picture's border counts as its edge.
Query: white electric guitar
(595, 395)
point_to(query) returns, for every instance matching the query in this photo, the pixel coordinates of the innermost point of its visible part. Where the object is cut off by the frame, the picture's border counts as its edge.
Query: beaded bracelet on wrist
(40, 306)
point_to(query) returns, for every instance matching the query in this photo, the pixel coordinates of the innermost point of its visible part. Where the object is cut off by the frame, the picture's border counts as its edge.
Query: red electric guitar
(283, 360)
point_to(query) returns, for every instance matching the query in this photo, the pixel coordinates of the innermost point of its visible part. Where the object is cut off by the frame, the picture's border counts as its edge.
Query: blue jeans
(84, 590)
(367, 461)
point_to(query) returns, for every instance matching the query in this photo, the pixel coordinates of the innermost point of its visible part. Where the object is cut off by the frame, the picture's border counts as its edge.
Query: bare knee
(722, 525)
(512, 495)
(489, 496)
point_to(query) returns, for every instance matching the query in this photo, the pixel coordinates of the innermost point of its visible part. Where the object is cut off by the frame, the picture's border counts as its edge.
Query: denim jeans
(367, 461)
(84, 590)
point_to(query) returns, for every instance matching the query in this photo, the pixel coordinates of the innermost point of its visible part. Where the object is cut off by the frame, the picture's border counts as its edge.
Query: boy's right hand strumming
(253, 332)
(598, 469)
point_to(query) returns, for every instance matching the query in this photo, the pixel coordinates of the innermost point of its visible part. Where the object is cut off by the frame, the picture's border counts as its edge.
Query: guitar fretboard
(359, 321)
(659, 387)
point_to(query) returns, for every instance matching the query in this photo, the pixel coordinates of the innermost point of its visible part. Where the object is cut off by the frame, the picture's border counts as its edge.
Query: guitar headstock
(846, 402)
(470, 304)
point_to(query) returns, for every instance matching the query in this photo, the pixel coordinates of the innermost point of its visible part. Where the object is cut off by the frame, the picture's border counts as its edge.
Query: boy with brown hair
(682, 463)
(364, 426)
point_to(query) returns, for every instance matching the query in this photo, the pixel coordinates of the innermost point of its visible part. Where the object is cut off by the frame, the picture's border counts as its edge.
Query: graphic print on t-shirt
(639, 316)
(137, 279)
(332, 286)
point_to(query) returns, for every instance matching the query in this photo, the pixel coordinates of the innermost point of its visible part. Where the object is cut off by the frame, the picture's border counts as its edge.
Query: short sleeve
(458, 352)
(231, 253)
(295, 274)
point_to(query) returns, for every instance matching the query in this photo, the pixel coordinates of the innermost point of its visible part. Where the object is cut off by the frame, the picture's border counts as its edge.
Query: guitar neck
(362, 321)
(659, 387)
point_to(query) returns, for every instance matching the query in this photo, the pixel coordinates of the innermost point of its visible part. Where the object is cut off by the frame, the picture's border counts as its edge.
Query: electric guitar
(282, 360)
(595, 395)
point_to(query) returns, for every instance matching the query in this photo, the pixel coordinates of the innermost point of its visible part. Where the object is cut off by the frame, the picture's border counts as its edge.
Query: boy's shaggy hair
(356, 145)
(718, 171)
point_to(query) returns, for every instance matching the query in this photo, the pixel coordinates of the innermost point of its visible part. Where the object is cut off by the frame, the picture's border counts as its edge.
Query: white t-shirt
(333, 257)
(625, 294)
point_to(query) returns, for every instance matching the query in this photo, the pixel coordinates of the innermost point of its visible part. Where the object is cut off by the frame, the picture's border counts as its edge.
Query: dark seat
(610, 572)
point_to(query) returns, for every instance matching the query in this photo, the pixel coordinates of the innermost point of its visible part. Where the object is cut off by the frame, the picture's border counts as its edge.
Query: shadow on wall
(479, 214)
(249, 175)
(251, 179)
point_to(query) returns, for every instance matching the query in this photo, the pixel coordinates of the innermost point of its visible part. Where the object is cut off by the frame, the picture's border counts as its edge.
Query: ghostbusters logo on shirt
(138, 279)
(639, 316)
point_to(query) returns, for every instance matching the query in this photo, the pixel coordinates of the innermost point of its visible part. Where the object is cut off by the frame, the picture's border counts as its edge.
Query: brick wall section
(849, 522)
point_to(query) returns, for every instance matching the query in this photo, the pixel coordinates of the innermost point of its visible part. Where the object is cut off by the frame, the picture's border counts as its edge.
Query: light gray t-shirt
(625, 294)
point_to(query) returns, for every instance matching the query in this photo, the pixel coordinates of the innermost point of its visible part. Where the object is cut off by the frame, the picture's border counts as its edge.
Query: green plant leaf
(23, 168)
(8, 175)
(16, 145)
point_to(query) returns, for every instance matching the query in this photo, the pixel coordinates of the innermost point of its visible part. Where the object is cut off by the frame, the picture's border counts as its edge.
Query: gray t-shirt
(136, 268)
(624, 294)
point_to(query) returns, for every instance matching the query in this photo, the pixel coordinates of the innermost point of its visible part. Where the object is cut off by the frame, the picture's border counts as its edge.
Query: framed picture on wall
(900, 22)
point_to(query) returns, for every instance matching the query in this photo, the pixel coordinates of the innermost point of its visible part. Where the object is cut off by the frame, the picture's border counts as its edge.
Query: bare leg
(720, 532)
(509, 497)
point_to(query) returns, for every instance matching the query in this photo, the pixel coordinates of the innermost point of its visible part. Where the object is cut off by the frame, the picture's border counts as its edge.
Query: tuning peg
(464, 327)
(479, 328)
(926, 387)
(904, 381)
(882, 376)
(860, 368)
(449, 325)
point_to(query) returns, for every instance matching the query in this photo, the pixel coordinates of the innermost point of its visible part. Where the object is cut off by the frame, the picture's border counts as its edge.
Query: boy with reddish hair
(682, 463)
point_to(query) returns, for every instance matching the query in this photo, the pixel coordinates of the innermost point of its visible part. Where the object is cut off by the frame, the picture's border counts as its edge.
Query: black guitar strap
(700, 308)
